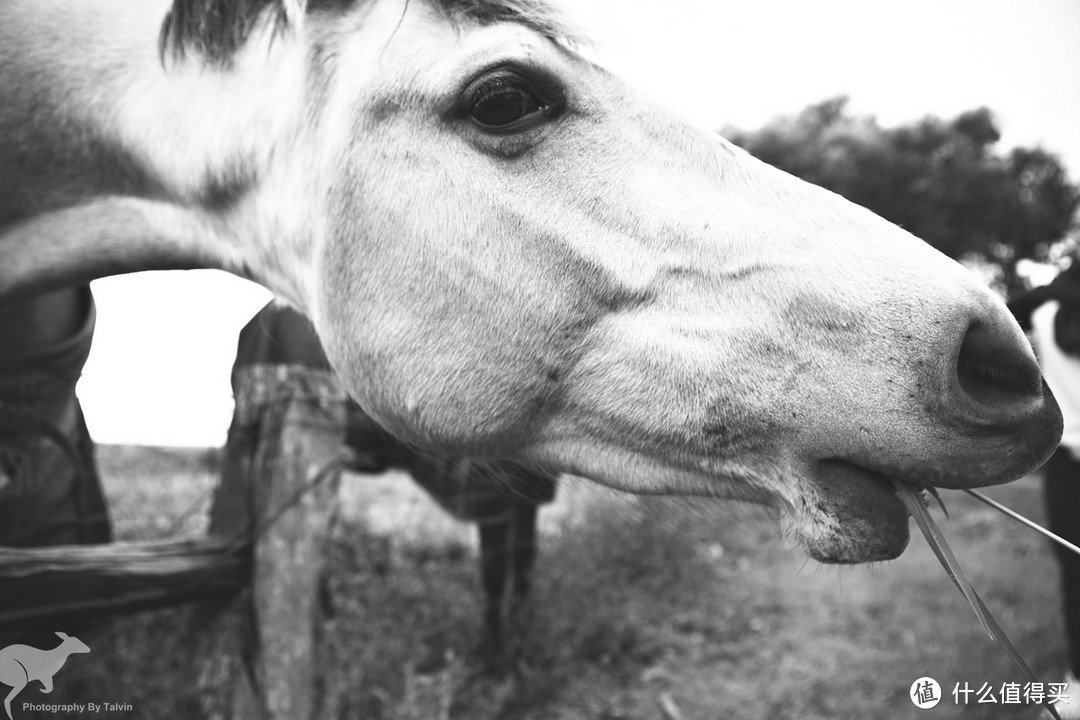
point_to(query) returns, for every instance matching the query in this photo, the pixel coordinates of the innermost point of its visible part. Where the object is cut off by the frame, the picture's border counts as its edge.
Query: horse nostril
(996, 369)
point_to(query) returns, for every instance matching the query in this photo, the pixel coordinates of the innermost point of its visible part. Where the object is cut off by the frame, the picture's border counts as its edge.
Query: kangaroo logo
(21, 664)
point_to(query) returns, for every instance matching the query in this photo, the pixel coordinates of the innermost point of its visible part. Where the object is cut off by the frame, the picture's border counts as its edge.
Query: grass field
(643, 609)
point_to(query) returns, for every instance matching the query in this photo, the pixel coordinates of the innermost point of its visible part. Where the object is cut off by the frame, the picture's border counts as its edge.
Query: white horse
(508, 253)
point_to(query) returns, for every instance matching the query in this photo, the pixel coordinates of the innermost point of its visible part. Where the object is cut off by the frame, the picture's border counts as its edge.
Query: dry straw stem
(669, 707)
(1017, 516)
(911, 499)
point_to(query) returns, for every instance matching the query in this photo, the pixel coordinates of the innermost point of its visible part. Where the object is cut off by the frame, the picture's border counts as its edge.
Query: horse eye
(505, 102)
(504, 106)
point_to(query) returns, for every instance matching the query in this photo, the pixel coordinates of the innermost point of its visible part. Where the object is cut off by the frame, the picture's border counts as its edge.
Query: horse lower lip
(865, 518)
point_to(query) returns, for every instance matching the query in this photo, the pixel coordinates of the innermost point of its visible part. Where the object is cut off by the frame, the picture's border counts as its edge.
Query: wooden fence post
(255, 654)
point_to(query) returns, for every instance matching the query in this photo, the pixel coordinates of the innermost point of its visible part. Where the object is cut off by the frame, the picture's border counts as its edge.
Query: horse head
(524, 258)
(509, 253)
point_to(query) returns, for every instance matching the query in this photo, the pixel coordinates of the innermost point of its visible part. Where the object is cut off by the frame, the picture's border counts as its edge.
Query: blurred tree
(940, 179)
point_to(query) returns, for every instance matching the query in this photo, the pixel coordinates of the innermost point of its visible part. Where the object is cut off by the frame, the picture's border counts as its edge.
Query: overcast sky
(742, 63)
(159, 370)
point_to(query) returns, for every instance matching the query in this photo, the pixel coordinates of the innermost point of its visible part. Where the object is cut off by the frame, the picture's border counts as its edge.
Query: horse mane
(217, 29)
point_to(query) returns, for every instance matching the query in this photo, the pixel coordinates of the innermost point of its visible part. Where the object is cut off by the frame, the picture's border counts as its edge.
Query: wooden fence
(255, 575)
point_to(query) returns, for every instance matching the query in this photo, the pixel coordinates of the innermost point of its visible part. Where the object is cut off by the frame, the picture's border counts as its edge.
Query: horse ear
(62, 636)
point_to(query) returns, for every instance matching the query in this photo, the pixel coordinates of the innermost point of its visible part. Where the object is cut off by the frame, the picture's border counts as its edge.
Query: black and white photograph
(539, 360)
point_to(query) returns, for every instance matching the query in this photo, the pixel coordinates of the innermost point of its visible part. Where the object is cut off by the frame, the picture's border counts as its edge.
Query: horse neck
(239, 137)
(219, 123)
(151, 162)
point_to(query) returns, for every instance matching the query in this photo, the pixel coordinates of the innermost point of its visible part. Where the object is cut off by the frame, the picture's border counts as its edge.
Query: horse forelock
(217, 29)
(536, 15)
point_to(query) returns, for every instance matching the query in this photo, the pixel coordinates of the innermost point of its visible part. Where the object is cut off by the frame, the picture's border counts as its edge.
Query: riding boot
(50, 490)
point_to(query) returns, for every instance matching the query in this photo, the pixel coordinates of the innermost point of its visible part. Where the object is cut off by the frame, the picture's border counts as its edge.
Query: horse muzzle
(989, 419)
(998, 419)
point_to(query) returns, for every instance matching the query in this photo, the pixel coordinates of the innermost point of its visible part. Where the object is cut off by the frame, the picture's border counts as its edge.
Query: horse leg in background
(524, 549)
(497, 571)
(50, 490)
(507, 555)
(531, 489)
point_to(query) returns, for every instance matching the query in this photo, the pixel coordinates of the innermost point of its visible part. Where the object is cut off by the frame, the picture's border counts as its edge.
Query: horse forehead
(425, 53)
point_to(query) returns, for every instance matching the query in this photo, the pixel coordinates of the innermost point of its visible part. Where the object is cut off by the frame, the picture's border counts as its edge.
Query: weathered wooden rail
(47, 585)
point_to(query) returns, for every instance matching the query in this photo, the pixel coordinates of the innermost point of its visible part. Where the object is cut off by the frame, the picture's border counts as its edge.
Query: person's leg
(496, 573)
(42, 320)
(1062, 492)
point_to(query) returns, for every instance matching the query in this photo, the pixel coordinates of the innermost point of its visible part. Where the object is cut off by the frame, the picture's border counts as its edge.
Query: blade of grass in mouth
(1017, 516)
(936, 539)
